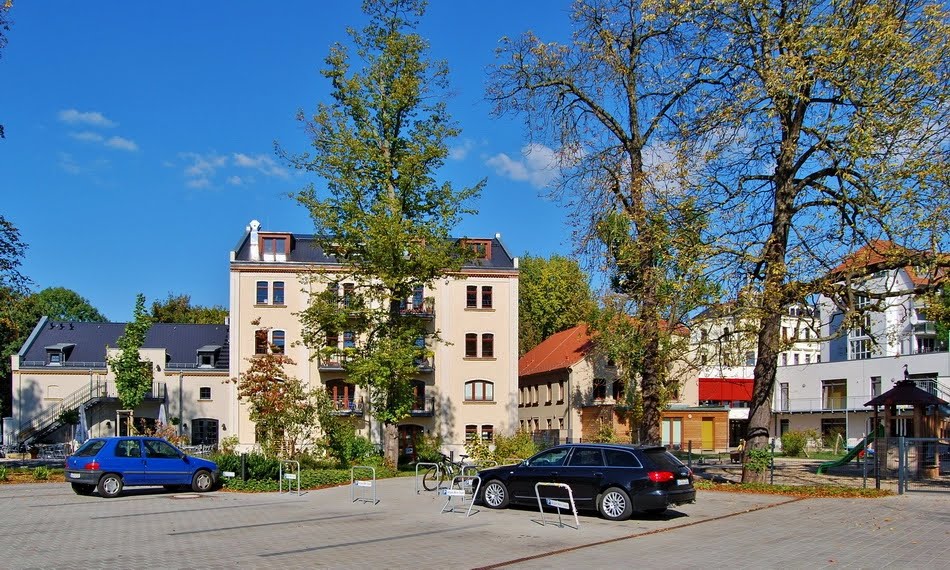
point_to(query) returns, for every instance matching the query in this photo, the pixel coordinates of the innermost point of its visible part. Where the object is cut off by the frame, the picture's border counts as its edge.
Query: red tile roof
(557, 352)
(879, 251)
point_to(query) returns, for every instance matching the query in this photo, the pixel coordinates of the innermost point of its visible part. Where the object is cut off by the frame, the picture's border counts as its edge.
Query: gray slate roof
(180, 341)
(304, 249)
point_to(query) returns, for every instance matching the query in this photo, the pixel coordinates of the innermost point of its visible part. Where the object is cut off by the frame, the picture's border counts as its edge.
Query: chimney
(255, 242)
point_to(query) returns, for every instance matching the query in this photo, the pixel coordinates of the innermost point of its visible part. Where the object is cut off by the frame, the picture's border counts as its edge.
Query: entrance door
(709, 432)
(407, 441)
(123, 420)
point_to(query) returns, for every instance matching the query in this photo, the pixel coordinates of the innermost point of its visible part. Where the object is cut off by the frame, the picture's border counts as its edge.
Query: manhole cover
(187, 496)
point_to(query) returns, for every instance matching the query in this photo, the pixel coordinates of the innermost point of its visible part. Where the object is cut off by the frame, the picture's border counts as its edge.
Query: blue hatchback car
(111, 463)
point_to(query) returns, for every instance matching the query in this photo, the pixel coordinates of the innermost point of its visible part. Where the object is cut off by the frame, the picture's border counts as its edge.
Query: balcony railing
(345, 407)
(424, 408)
(835, 404)
(925, 327)
(424, 309)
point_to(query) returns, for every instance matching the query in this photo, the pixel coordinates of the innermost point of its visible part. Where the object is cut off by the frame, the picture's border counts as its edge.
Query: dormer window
(208, 355)
(57, 354)
(274, 247)
(481, 248)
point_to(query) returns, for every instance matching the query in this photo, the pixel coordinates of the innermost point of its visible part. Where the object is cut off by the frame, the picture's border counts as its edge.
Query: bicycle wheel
(431, 479)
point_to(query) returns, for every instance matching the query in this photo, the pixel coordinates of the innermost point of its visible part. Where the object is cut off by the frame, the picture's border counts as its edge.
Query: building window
(262, 292)
(560, 392)
(277, 342)
(795, 358)
(204, 393)
(419, 395)
(333, 339)
(348, 294)
(862, 301)
(471, 432)
(750, 358)
(349, 339)
(600, 389)
(783, 396)
(860, 349)
(479, 391)
(834, 394)
(56, 358)
(260, 341)
(204, 432)
(783, 427)
(471, 345)
(807, 359)
(471, 297)
(488, 433)
(486, 297)
(875, 386)
(278, 292)
(833, 429)
(488, 345)
(206, 360)
(784, 359)
(417, 298)
(619, 389)
(550, 394)
(481, 249)
(341, 394)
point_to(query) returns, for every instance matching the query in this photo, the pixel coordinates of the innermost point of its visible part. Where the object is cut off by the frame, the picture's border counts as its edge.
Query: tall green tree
(133, 375)
(13, 289)
(178, 309)
(377, 146)
(553, 295)
(60, 304)
(827, 131)
(611, 103)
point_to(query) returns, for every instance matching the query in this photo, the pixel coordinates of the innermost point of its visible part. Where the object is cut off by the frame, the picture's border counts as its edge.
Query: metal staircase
(48, 420)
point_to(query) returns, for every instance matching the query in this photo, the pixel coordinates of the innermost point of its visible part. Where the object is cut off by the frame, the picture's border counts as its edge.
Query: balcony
(829, 404)
(426, 364)
(423, 309)
(332, 359)
(925, 327)
(423, 409)
(345, 407)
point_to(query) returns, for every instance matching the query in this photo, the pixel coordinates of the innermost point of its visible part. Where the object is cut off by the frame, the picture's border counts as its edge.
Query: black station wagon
(615, 480)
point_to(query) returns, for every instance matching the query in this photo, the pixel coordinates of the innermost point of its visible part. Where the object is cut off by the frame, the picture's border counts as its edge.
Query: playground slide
(855, 451)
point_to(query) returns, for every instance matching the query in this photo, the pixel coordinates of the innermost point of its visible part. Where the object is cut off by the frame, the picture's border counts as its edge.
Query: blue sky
(140, 135)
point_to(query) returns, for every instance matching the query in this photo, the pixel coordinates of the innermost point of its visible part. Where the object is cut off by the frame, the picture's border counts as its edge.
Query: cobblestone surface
(46, 525)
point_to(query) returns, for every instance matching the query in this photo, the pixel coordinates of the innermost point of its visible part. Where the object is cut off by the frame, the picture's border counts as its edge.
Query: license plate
(682, 481)
(74, 475)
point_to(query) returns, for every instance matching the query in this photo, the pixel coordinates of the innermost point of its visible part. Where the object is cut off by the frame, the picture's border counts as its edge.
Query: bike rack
(557, 504)
(362, 484)
(290, 476)
(438, 472)
(461, 487)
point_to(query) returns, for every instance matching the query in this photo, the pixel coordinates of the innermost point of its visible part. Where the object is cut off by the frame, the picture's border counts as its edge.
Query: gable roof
(880, 251)
(90, 340)
(557, 352)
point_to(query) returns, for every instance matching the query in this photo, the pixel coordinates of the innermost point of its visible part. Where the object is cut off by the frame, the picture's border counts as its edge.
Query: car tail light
(92, 466)
(660, 476)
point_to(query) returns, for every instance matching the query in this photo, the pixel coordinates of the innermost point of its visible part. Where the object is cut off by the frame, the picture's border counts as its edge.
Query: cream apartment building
(467, 388)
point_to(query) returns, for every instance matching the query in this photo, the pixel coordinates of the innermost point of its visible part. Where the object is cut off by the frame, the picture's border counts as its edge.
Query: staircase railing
(50, 415)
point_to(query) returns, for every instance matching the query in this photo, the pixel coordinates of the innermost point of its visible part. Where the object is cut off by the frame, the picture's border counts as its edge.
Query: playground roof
(906, 393)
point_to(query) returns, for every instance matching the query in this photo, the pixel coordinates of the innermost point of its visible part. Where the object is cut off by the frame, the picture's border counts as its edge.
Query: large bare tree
(829, 122)
(610, 103)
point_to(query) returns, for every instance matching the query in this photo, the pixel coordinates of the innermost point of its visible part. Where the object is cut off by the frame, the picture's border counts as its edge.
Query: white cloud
(235, 181)
(203, 166)
(538, 166)
(87, 136)
(459, 152)
(122, 144)
(94, 118)
(262, 163)
(68, 163)
(198, 183)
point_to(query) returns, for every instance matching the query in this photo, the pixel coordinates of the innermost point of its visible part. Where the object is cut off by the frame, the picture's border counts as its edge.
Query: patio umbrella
(161, 415)
(82, 431)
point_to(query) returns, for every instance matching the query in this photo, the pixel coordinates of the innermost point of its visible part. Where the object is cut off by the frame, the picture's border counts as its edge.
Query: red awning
(725, 389)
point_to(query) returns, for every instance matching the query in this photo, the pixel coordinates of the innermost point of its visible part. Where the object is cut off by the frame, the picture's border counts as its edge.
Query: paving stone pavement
(47, 526)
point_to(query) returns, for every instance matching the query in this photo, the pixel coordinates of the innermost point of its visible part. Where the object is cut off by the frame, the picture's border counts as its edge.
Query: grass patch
(39, 474)
(816, 491)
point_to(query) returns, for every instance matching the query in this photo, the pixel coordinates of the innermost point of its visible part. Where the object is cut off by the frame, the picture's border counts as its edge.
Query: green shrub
(229, 444)
(758, 460)
(428, 448)
(3, 474)
(478, 451)
(794, 443)
(41, 473)
(519, 446)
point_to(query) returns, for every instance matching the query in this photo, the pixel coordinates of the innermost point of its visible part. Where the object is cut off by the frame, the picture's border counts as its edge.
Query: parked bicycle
(445, 470)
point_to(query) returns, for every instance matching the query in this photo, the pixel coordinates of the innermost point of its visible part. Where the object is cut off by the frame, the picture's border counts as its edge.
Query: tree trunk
(391, 444)
(650, 382)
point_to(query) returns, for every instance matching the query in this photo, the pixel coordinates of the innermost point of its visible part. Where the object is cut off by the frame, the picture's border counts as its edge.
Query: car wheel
(614, 504)
(110, 485)
(83, 489)
(495, 495)
(202, 481)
